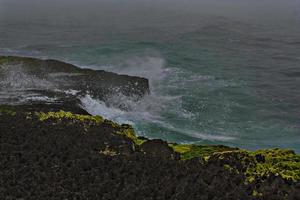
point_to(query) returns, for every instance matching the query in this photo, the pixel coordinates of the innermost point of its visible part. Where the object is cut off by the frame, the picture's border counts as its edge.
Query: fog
(89, 19)
(139, 10)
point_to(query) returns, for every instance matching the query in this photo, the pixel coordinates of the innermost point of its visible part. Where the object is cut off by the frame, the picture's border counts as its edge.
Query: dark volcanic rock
(51, 78)
(260, 158)
(50, 160)
(64, 158)
(158, 148)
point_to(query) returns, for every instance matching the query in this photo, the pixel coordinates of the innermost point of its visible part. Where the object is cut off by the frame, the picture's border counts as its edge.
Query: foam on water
(151, 108)
(150, 67)
(148, 108)
(36, 98)
(142, 112)
(16, 86)
(97, 107)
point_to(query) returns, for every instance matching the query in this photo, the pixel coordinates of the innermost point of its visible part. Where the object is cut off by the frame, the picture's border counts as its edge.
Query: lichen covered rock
(55, 154)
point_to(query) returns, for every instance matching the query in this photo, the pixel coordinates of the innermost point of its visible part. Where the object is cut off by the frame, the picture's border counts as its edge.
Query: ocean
(220, 72)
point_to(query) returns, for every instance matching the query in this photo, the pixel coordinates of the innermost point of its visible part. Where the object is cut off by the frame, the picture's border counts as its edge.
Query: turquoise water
(216, 77)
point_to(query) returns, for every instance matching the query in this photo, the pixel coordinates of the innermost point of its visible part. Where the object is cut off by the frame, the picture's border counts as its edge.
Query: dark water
(221, 72)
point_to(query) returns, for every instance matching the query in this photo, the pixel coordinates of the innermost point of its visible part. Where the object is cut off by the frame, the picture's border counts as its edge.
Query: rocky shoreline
(58, 82)
(62, 155)
(58, 151)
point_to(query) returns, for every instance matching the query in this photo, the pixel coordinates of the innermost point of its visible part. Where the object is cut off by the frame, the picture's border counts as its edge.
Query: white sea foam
(150, 67)
(148, 109)
(97, 107)
(16, 79)
(17, 86)
(71, 92)
(40, 98)
(209, 137)
(142, 112)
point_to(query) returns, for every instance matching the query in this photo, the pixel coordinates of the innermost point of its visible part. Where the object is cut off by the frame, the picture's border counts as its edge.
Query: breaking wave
(151, 108)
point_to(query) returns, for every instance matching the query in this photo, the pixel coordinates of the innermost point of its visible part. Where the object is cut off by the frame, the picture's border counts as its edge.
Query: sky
(27, 9)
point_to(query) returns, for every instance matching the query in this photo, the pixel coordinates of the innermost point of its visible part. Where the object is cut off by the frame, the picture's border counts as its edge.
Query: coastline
(42, 148)
(58, 149)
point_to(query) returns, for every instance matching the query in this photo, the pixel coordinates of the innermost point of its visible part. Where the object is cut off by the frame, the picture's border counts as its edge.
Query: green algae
(205, 151)
(5, 59)
(7, 111)
(9, 59)
(260, 164)
(256, 194)
(280, 162)
(124, 130)
(70, 116)
(129, 132)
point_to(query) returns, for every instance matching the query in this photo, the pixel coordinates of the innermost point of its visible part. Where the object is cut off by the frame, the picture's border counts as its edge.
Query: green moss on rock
(70, 116)
(9, 59)
(4, 59)
(261, 164)
(255, 165)
(280, 162)
(7, 111)
(128, 131)
(125, 130)
(256, 194)
(190, 151)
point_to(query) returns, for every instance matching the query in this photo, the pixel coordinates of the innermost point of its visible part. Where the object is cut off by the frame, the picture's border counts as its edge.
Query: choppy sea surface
(229, 78)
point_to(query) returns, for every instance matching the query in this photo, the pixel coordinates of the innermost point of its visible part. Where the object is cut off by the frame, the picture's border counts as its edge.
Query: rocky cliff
(56, 150)
(63, 155)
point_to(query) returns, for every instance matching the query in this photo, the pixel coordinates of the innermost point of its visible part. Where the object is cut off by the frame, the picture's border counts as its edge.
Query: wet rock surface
(69, 159)
(30, 78)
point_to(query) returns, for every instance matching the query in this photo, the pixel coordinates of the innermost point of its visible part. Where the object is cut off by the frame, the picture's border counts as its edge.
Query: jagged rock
(159, 148)
(51, 78)
(68, 157)
(260, 158)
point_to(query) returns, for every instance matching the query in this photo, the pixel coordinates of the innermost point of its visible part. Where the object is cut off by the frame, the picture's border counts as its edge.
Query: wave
(157, 109)
(153, 108)
(150, 67)
(148, 109)
(142, 112)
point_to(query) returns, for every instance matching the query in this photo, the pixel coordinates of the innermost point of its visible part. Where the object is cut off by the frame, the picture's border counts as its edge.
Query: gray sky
(27, 9)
